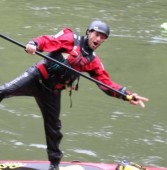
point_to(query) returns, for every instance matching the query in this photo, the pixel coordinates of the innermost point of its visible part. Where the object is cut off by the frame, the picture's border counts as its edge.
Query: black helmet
(99, 26)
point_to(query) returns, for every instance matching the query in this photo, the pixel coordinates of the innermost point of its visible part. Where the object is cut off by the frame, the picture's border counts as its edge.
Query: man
(46, 80)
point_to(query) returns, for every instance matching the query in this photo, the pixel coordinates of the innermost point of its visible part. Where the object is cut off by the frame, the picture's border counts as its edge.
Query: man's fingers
(142, 98)
(141, 104)
(138, 100)
(31, 49)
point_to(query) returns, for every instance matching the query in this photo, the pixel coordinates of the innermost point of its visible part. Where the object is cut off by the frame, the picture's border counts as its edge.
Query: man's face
(95, 39)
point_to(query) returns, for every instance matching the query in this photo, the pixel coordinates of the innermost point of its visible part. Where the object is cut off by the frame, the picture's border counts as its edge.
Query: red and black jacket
(73, 50)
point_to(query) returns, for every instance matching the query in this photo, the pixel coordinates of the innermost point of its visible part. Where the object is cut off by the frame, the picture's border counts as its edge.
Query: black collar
(85, 49)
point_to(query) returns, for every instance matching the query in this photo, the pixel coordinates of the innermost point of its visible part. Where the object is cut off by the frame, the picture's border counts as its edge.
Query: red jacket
(64, 41)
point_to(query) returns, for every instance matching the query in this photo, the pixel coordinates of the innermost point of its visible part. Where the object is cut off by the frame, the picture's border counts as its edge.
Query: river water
(97, 128)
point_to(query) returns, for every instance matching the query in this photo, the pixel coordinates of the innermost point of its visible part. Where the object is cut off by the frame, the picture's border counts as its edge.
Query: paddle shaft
(79, 73)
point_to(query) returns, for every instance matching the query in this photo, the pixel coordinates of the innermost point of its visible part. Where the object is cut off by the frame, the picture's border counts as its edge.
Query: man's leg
(49, 103)
(24, 85)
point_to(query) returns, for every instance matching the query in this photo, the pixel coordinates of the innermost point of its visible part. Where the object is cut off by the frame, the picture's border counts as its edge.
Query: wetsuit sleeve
(49, 43)
(99, 73)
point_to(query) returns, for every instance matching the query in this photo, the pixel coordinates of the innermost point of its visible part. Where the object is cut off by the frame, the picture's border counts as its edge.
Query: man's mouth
(95, 43)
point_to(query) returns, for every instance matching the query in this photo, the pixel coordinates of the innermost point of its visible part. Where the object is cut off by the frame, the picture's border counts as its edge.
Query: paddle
(127, 97)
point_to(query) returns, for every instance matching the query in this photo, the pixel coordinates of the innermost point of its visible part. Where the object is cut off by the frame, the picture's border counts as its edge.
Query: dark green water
(97, 128)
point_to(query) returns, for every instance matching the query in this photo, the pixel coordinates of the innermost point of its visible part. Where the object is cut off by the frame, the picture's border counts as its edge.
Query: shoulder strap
(77, 39)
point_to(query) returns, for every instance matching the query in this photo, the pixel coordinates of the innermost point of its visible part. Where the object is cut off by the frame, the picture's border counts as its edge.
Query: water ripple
(18, 113)
(84, 151)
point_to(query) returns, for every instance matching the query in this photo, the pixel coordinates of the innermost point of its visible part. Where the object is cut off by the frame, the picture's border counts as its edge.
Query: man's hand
(31, 48)
(136, 99)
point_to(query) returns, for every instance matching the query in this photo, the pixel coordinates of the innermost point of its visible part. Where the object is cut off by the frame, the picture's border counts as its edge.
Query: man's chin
(93, 47)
